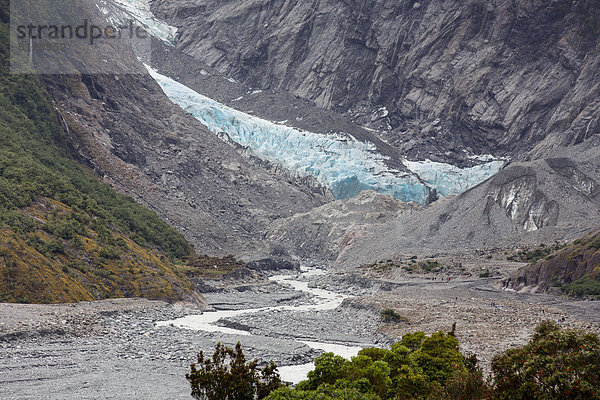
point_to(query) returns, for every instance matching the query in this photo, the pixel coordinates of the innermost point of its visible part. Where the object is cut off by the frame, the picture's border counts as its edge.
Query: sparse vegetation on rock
(390, 315)
(575, 269)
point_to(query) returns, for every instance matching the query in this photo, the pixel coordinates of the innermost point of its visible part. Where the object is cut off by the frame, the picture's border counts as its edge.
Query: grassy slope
(64, 236)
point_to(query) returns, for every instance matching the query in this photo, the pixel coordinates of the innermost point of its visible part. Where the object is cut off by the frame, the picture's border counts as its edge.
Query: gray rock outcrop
(321, 233)
(486, 76)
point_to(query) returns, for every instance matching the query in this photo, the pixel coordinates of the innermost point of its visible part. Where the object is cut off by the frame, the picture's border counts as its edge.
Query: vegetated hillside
(64, 236)
(576, 269)
(142, 144)
(484, 76)
(63, 256)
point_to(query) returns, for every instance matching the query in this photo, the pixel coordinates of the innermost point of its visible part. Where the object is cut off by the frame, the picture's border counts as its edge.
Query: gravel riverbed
(113, 349)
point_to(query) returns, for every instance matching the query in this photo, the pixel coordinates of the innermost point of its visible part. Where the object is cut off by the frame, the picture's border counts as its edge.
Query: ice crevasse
(341, 163)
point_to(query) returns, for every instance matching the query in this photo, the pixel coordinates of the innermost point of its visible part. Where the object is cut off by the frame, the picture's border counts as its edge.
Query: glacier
(448, 179)
(339, 162)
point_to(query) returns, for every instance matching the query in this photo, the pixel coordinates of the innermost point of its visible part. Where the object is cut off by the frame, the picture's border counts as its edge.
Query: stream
(321, 300)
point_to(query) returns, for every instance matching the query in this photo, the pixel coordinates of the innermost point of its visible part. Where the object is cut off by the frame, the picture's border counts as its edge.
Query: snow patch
(118, 12)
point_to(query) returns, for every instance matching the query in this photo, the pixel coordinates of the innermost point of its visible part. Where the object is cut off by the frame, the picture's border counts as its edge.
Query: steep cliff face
(582, 259)
(495, 76)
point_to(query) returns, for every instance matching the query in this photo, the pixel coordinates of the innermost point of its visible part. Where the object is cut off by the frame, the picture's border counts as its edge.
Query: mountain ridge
(499, 77)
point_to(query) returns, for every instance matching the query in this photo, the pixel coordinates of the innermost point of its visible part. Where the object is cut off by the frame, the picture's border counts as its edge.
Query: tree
(325, 392)
(417, 367)
(228, 376)
(556, 364)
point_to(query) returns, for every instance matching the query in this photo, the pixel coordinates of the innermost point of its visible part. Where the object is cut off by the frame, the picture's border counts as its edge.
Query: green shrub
(109, 253)
(585, 286)
(431, 266)
(418, 367)
(228, 376)
(55, 246)
(390, 315)
(556, 364)
(324, 392)
(595, 244)
(77, 243)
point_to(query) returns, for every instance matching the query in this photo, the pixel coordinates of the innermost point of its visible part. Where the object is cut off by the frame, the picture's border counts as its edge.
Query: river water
(321, 300)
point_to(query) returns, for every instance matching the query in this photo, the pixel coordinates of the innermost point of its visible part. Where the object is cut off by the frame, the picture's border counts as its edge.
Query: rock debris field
(115, 349)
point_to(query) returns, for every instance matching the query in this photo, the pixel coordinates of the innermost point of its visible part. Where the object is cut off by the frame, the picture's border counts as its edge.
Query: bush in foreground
(418, 366)
(227, 376)
(556, 364)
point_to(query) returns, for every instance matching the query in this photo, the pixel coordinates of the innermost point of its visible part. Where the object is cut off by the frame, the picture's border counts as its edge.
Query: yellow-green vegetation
(210, 267)
(586, 286)
(415, 265)
(65, 236)
(65, 258)
(534, 255)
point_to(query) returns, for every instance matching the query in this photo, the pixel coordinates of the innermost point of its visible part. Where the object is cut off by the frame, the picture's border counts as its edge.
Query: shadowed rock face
(496, 76)
(570, 264)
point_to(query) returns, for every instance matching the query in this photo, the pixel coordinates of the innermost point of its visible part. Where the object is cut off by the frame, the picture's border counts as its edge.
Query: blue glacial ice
(341, 163)
(448, 179)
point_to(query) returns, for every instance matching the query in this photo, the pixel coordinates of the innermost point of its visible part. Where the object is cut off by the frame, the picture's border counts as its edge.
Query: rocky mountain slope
(578, 262)
(139, 142)
(319, 234)
(478, 76)
(533, 202)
